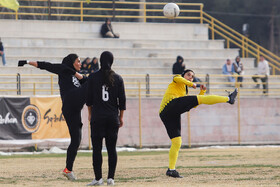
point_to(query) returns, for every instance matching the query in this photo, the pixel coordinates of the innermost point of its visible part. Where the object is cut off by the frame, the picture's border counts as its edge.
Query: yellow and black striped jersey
(176, 89)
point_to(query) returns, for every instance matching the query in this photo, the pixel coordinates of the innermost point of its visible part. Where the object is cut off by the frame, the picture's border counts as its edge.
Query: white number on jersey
(105, 93)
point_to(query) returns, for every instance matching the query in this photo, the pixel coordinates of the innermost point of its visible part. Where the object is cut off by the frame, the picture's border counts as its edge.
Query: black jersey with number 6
(105, 101)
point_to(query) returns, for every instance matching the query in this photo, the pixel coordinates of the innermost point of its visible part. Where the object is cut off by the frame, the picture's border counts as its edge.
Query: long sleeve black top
(105, 28)
(105, 101)
(178, 68)
(66, 77)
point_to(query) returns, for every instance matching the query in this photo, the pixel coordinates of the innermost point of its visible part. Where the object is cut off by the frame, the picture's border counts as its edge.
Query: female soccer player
(175, 102)
(72, 86)
(106, 103)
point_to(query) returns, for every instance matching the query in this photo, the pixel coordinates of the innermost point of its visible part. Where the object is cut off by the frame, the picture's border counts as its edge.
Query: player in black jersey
(72, 86)
(106, 103)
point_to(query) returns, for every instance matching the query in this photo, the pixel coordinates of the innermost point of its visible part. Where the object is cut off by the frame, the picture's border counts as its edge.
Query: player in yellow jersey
(175, 102)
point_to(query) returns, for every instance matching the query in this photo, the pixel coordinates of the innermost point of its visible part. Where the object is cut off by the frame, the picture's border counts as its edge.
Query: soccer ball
(171, 10)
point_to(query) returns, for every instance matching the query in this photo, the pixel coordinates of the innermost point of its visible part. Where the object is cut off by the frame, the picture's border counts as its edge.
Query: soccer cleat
(110, 182)
(232, 96)
(69, 175)
(96, 182)
(173, 173)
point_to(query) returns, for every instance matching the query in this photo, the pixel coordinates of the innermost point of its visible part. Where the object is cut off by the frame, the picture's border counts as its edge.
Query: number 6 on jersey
(105, 93)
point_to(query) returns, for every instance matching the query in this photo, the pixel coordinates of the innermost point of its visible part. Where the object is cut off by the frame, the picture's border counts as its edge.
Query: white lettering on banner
(7, 119)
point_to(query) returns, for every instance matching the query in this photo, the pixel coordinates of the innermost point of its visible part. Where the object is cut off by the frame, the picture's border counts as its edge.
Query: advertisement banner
(36, 118)
(10, 118)
(51, 121)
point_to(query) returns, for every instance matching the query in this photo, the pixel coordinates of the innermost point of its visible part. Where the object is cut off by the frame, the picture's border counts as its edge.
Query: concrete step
(121, 52)
(162, 70)
(69, 29)
(122, 70)
(189, 62)
(108, 42)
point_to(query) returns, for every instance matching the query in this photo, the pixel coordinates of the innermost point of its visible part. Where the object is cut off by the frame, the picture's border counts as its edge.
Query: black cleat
(232, 96)
(173, 173)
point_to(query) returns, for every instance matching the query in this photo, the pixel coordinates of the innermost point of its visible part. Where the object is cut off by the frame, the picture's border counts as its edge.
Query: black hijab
(69, 60)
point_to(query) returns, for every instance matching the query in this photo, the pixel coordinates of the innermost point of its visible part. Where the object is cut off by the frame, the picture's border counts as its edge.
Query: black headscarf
(180, 58)
(69, 60)
(106, 60)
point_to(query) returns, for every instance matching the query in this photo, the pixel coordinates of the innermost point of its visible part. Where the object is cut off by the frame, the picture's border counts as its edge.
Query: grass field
(234, 166)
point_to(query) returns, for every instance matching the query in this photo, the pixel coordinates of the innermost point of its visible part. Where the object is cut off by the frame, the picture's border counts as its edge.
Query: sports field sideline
(212, 166)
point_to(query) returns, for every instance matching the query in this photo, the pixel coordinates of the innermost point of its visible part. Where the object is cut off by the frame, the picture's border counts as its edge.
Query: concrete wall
(210, 124)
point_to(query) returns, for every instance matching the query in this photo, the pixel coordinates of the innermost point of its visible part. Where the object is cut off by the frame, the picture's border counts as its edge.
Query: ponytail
(108, 77)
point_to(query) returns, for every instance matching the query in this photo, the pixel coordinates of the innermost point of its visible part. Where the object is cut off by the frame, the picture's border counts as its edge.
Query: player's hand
(121, 122)
(22, 63)
(202, 87)
(194, 86)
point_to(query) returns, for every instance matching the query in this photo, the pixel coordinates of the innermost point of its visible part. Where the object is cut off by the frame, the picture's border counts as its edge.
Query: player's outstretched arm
(179, 79)
(35, 64)
(202, 89)
(23, 62)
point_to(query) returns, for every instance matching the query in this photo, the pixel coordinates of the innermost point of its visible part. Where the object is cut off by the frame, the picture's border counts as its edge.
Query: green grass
(250, 179)
(202, 173)
(235, 166)
(54, 155)
(146, 179)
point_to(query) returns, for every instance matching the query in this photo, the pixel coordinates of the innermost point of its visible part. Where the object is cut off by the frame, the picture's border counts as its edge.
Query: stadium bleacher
(143, 48)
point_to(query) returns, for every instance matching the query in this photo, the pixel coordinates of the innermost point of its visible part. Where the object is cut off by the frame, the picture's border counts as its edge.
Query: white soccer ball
(171, 10)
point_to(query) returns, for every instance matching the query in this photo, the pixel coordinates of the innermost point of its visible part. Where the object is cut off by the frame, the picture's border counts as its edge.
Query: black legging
(171, 114)
(71, 109)
(104, 128)
(75, 129)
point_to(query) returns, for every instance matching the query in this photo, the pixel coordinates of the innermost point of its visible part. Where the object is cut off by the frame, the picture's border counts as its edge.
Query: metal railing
(140, 85)
(246, 45)
(141, 11)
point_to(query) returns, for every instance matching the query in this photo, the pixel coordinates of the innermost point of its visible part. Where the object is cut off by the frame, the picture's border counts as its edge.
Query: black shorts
(171, 114)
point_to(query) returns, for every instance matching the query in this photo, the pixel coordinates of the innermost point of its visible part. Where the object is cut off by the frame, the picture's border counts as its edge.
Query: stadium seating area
(143, 48)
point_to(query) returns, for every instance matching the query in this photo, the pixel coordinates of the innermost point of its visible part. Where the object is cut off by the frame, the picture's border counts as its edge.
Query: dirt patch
(200, 167)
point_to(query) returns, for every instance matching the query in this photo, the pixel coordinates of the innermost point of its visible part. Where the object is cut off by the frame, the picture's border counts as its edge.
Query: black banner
(10, 118)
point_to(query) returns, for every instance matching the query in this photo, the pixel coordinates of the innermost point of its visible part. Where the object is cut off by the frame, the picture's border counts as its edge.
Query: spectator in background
(228, 69)
(263, 73)
(2, 53)
(178, 66)
(239, 69)
(94, 65)
(107, 30)
(85, 66)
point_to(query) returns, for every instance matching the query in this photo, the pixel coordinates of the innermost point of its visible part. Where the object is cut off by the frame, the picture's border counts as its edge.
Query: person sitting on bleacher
(178, 66)
(85, 66)
(262, 74)
(107, 30)
(238, 69)
(94, 65)
(228, 69)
